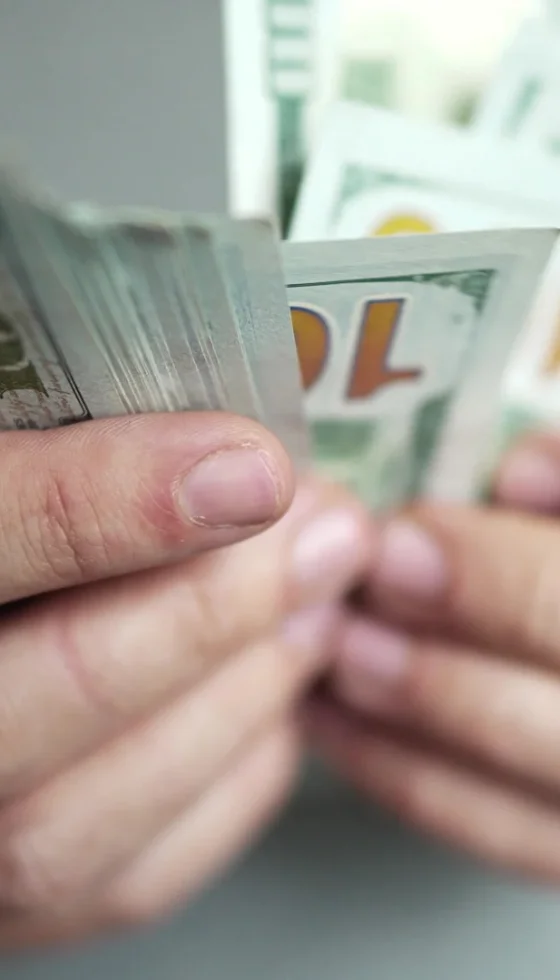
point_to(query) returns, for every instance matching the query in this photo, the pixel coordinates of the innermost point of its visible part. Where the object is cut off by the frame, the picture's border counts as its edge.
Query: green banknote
(363, 180)
(522, 106)
(403, 344)
(522, 102)
(104, 313)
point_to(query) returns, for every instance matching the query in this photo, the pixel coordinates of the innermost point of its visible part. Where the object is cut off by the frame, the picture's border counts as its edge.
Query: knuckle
(418, 795)
(32, 877)
(97, 693)
(409, 784)
(61, 526)
(212, 618)
(539, 615)
(435, 688)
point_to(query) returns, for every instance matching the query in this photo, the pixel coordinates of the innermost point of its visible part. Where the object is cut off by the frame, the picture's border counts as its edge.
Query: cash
(522, 102)
(281, 75)
(522, 105)
(389, 353)
(376, 173)
(365, 181)
(108, 313)
(402, 344)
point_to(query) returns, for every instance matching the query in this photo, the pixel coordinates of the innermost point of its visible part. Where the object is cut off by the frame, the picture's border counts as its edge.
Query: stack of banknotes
(407, 329)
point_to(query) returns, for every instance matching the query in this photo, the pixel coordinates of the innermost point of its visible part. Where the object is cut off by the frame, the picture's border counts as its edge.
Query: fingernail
(369, 649)
(530, 478)
(411, 564)
(326, 556)
(232, 488)
(311, 628)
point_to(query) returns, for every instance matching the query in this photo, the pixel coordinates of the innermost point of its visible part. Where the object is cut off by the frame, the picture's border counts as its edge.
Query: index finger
(489, 575)
(78, 668)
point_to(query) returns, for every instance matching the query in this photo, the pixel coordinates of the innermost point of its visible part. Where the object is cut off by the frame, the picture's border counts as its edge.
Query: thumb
(106, 498)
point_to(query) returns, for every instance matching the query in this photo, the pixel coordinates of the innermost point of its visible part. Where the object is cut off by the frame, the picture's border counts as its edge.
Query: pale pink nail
(369, 648)
(411, 563)
(374, 660)
(326, 556)
(530, 479)
(232, 488)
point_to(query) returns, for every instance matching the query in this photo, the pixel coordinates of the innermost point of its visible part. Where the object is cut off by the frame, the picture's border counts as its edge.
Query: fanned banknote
(376, 173)
(522, 104)
(280, 77)
(523, 100)
(108, 313)
(403, 343)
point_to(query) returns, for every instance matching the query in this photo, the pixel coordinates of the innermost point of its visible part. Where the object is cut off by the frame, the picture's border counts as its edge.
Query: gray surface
(117, 100)
(338, 892)
(104, 99)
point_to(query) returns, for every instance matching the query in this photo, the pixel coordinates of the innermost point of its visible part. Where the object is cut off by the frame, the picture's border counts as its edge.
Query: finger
(205, 839)
(494, 576)
(22, 933)
(506, 716)
(100, 499)
(484, 817)
(529, 476)
(187, 856)
(60, 845)
(78, 668)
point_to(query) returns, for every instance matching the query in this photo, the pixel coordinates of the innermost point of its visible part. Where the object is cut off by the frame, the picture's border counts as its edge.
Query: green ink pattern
(290, 107)
(525, 103)
(17, 373)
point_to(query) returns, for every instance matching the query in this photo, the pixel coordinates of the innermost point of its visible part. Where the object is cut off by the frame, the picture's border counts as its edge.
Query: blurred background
(436, 58)
(123, 101)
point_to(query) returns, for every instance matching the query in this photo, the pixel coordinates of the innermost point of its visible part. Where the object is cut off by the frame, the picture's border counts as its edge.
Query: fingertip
(529, 477)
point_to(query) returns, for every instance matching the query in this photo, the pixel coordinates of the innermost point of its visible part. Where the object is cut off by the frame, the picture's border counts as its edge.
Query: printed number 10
(370, 369)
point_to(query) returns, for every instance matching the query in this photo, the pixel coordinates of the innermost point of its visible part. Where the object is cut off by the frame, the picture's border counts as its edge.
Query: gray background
(121, 101)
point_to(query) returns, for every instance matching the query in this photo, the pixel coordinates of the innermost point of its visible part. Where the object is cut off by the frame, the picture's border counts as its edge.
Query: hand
(447, 691)
(145, 704)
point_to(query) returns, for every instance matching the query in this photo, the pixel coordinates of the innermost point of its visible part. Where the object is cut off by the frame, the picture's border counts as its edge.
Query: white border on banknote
(534, 53)
(485, 168)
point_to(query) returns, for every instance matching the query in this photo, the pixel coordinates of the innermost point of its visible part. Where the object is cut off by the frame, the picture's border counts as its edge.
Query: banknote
(523, 104)
(403, 343)
(280, 76)
(108, 313)
(523, 100)
(531, 388)
(376, 173)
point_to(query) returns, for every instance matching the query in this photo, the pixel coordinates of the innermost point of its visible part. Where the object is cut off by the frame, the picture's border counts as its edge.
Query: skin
(445, 702)
(155, 644)
(165, 608)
